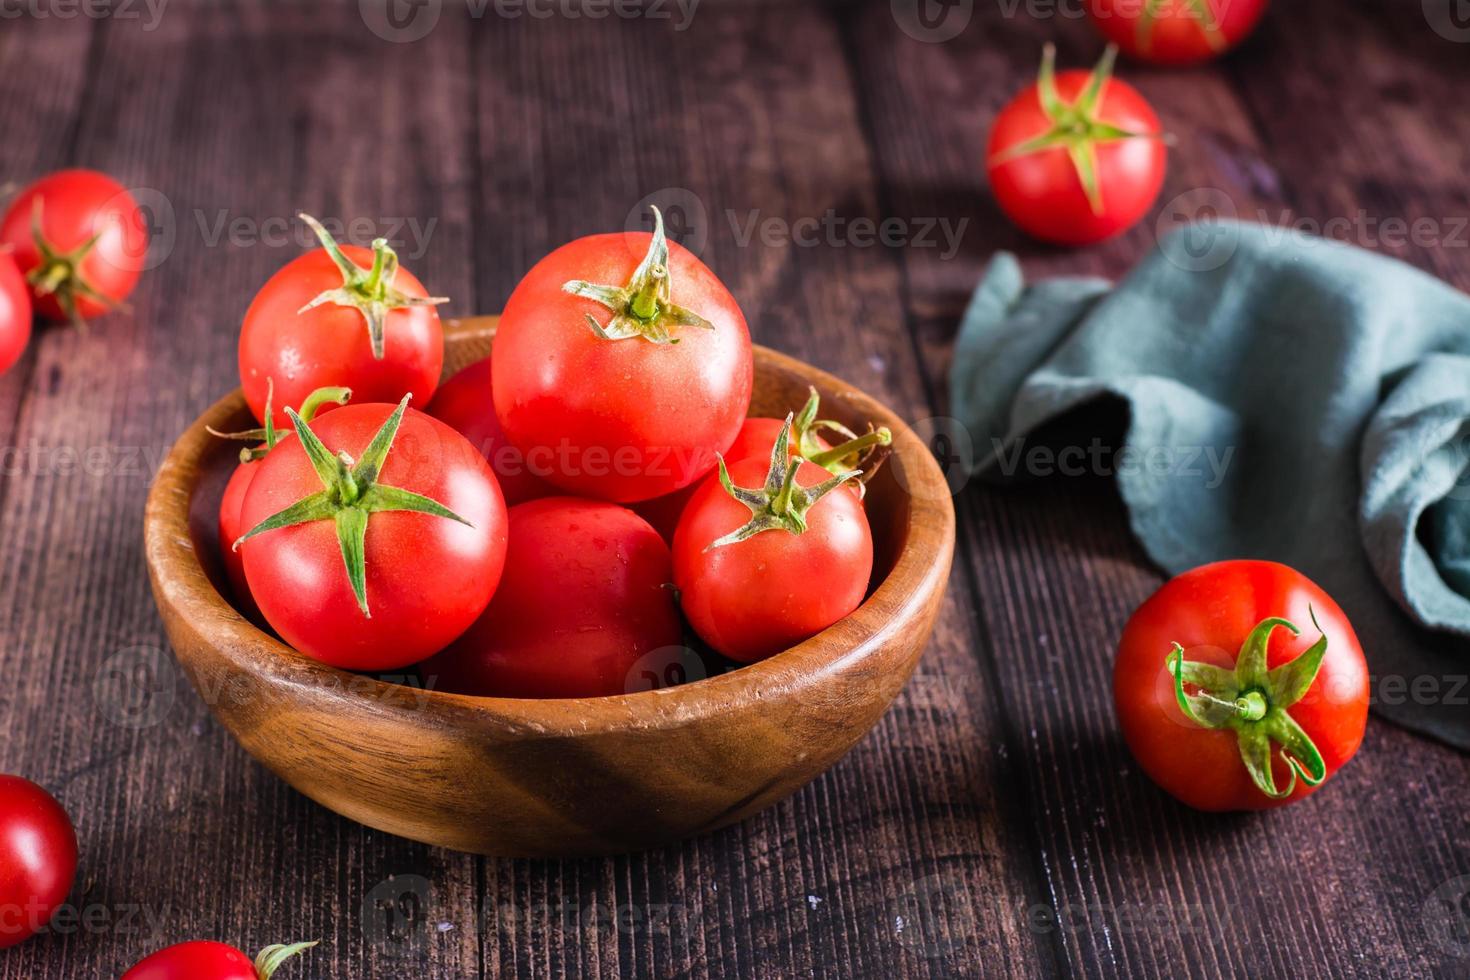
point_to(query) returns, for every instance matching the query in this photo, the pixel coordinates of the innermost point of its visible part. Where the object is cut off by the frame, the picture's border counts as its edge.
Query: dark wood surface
(993, 824)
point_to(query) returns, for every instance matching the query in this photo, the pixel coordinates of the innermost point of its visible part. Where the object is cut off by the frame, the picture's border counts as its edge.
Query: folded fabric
(1287, 398)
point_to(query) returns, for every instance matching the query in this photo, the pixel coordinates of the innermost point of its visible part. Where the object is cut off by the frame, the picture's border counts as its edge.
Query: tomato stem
(59, 273)
(269, 435)
(270, 959)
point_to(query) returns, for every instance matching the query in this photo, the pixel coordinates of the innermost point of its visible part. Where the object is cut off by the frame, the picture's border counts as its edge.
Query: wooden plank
(720, 120)
(249, 112)
(1058, 574)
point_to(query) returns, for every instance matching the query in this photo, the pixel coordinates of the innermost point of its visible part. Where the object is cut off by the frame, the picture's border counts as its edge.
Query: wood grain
(996, 789)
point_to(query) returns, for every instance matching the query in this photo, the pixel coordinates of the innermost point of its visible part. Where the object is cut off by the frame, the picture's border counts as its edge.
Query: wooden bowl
(517, 777)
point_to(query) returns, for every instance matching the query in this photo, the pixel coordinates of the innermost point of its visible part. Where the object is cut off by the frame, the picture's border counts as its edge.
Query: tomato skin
(767, 593)
(465, 404)
(1176, 38)
(620, 420)
(38, 858)
(231, 527)
(329, 346)
(585, 595)
(15, 312)
(1210, 611)
(428, 578)
(76, 204)
(1042, 193)
(195, 961)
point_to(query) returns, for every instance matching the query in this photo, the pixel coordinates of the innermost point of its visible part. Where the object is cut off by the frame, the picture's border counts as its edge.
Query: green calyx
(852, 454)
(642, 308)
(269, 960)
(1252, 702)
(1198, 10)
(60, 273)
(1075, 126)
(268, 434)
(369, 291)
(781, 504)
(351, 495)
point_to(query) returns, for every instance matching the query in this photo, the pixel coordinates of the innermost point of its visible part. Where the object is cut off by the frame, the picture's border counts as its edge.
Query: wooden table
(993, 824)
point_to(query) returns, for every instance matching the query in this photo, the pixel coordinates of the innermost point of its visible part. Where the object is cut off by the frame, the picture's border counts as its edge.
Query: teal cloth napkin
(1287, 398)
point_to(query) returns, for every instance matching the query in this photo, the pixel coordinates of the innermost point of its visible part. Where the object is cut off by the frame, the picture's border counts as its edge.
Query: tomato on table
(1176, 32)
(16, 312)
(767, 555)
(628, 374)
(80, 240)
(465, 403)
(377, 536)
(586, 594)
(1078, 157)
(38, 858)
(1241, 686)
(341, 316)
(204, 960)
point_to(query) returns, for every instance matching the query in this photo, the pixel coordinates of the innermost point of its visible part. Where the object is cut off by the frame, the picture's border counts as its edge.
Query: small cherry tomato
(586, 593)
(341, 316)
(80, 239)
(1176, 32)
(38, 859)
(232, 501)
(377, 536)
(465, 404)
(1077, 157)
(204, 960)
(15, 312)
(766, 555)
(630, 376)
(1241, 686)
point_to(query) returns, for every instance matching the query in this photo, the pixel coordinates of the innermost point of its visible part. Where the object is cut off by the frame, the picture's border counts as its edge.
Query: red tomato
(464, 403)
(38, 858)
(81, 241)
(759, 571)
(630, 394)
(341, 317)
(1077, 157)
(213, 961)
(1280, 730)
(15, 312)
(1176, 32)
(586, 593)
(394, 554)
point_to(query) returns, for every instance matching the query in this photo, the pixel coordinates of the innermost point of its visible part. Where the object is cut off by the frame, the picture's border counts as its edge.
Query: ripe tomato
(80, 239)
(326, 320)
(232, 501)
(15, 312)
(213, 961)
(766, 555)
(632, 403)
(1077, 157)
(586, 593)
(756, 438)
(1176, 32)
(1223, 702)
(38, 858)
(464, 403)
(369, 559)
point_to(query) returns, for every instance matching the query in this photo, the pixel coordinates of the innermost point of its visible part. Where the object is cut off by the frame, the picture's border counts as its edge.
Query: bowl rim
(920, 569)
